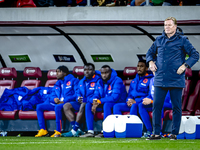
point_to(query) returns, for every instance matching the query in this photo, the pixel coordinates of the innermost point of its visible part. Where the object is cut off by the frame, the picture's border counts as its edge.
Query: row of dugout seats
(8, 77)
(190, 102)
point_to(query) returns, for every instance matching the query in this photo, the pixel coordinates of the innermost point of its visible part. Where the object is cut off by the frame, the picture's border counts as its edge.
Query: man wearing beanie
(63, 92)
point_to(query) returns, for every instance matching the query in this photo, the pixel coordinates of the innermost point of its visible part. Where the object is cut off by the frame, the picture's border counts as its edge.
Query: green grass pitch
(47, 143)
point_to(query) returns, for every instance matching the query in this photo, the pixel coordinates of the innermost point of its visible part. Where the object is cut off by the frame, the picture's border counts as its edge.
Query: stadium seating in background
(78, 72)
(1, 1)
(7, 75)
(49, 115)
(196, 95)
(129, 73)
(31, 72)
(52, 78)
(187, 105)
(9, 115)
(186, 90)
(25, 3)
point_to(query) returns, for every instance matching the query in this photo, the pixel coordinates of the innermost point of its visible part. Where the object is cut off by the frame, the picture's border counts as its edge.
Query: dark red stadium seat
(24, 115)
(52, 78)
(125, 113)
(197, 112)
(186, 90)
(78, 72)
(129, 73)
(27, 115)
(1, 1)
(32, 72)
(7, 75)
(32, 115)
(187, 105)
(4, 115)
(49, 115)
(196, 95)
(25, 3)
(98, 116)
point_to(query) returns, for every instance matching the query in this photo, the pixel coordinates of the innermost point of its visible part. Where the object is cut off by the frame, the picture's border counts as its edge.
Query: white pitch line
(30, 143)
(94, 142)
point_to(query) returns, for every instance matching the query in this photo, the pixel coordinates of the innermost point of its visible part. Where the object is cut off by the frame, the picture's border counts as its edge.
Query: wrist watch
(186, 65)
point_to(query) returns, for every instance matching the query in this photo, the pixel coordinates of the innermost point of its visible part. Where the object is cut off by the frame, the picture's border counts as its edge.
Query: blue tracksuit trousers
(48, 107)
(143, 111)
(106, 108)
(159, 98)
(123, 107)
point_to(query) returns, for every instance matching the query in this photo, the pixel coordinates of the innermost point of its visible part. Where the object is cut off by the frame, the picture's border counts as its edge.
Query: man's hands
(95, 104)
(57, 101)
(152, 66)
(181, 69)
(146, 101)
(130, 102)
(80, 99)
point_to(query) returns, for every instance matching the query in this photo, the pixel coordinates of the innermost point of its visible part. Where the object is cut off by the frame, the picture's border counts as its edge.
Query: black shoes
(153, 137)
(173, 137)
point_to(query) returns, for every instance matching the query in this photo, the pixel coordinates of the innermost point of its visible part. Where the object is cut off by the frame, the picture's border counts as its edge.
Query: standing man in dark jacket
(166, 57)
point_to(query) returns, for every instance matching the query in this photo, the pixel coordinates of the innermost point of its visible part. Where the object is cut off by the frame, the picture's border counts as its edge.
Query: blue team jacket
(87, 91)
(23, 99)
(69, 87)
(34, 97)
(11, 98)
(112, 91)
(139, 87)
(169, 54)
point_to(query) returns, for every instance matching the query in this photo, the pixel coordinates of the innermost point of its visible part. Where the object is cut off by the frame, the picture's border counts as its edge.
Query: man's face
(60, 75)
(141, 69)
(88, 71)
(170, 27)
(105, 73)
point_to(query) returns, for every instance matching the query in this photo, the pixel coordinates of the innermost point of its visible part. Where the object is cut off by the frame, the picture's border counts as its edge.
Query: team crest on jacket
(68, 83)
(145, 80)
(92, 84)
(109, 88)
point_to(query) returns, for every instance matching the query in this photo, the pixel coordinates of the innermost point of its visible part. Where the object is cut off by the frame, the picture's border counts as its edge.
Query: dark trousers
(159, 98)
